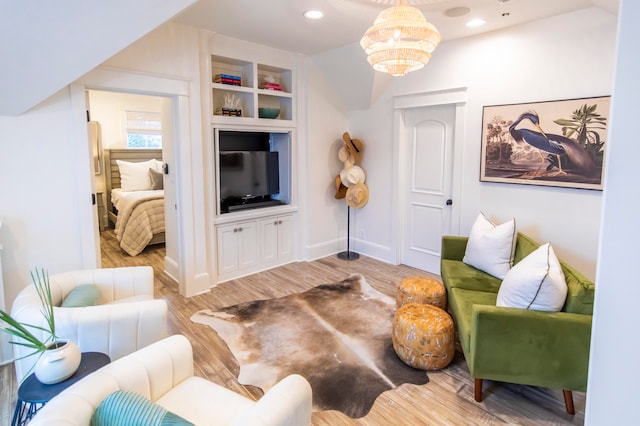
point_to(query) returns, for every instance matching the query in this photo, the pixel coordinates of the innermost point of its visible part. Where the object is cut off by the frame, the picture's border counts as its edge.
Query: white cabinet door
(276, 239)
(228, 249)
(248, 244)
(285, 238)
(237, 246)
(269, 240)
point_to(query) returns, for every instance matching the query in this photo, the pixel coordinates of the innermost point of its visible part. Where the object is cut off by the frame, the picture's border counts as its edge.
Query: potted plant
(58, 358)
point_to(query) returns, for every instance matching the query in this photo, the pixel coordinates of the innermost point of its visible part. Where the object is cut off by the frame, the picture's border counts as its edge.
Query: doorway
(137, 122)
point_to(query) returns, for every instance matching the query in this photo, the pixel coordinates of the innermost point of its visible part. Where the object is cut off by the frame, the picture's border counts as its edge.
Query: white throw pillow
(536, 283)
(135, 176)
(490, 247)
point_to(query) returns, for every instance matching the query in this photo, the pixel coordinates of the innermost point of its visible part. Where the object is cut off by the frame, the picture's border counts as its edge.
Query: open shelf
(251, 94)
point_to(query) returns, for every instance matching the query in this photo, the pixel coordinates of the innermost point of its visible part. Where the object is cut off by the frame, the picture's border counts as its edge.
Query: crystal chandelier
(400, 40)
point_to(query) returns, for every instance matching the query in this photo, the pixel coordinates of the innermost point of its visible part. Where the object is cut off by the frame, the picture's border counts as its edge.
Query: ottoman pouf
(421, 290)
(423, 336)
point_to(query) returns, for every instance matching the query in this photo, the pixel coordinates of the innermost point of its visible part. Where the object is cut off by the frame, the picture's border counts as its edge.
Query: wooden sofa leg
(478, 390)
(568, 401)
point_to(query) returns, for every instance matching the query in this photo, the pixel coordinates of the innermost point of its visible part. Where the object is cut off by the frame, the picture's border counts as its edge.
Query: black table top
(33, 391)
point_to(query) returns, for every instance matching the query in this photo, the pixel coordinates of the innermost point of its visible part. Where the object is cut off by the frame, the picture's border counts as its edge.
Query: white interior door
(427, 153)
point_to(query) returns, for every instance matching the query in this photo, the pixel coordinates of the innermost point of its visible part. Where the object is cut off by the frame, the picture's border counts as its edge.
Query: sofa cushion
(581, 292)
(536, 282)
(457, 274)
(124, 408)
(490, 247)
(461, 301)
(81, 296)
(204, 403)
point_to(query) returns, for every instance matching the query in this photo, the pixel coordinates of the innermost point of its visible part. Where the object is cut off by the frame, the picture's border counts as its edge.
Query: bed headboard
(112, 173)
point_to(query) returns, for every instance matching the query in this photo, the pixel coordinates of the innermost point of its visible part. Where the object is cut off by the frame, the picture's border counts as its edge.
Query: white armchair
(163, 373)
(126, 318)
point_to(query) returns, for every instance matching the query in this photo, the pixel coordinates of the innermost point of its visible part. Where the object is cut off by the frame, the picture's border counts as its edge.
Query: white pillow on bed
(135, 176)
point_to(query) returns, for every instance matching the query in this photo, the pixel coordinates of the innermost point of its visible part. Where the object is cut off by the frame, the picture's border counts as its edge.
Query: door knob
(449, 202)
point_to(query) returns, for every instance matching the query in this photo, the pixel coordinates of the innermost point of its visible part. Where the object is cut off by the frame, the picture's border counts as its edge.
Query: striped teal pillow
(123, 408)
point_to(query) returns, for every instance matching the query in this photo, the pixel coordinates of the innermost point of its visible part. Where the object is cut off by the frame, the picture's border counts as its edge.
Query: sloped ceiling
(47, 45)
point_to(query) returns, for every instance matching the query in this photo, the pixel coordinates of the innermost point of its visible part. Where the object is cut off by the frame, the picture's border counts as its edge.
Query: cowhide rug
(337, 336)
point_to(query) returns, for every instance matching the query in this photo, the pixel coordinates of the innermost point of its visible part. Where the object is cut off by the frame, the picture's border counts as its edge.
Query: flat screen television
(248, 179)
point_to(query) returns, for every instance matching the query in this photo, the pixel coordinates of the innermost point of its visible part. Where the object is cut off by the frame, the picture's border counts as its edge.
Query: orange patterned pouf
(423, 336)
(421, 290)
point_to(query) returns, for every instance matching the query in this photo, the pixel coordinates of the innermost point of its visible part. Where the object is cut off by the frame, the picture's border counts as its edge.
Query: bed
(135, 205)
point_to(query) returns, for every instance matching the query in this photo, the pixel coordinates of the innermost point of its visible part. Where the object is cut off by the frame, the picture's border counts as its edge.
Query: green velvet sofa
(547, 349)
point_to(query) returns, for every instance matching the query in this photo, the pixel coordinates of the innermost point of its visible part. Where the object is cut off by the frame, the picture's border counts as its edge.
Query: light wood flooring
(446, 400)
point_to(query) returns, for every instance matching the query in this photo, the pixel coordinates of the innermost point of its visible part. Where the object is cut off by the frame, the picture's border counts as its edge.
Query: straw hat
(341, 190)
(345, 156)
(357, 195)
(355, 147)
(352, 175)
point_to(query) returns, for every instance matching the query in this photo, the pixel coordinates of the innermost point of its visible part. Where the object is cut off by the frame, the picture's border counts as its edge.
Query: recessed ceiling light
(313, 14)
(476, 23)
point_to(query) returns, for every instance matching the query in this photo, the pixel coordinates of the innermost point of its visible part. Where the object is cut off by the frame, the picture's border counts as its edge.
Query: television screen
(246, 175)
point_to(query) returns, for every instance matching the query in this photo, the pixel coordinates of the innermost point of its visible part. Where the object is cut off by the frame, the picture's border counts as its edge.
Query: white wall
(54, 43)
(614, 373)
(568, 56)
(42, 197)
(109, 109)
(325, 218)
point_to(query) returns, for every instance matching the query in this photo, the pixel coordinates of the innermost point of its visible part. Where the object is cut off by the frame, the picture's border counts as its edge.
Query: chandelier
(400, 40)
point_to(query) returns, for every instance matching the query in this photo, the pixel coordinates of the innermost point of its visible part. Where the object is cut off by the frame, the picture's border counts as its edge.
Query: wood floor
(446, 400)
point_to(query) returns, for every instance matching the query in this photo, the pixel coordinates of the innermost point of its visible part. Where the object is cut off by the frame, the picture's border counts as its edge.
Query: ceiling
(280, 24)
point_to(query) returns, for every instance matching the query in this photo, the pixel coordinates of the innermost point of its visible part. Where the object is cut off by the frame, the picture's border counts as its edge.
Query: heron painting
(557, 143)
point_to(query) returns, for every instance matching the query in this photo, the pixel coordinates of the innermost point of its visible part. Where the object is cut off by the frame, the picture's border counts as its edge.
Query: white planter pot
(59, 363)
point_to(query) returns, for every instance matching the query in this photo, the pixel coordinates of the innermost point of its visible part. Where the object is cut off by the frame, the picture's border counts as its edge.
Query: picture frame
(566, 149)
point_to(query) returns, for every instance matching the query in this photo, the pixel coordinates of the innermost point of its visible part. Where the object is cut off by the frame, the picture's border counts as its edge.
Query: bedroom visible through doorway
(135, 135)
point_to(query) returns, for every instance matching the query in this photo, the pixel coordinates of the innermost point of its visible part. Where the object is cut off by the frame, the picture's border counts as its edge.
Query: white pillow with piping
(135, 176)
(490, 247)
(536, 282)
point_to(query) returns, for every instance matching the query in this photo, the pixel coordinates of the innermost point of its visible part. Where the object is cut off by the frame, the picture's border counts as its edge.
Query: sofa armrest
(117, 329)
(115, 283)
(549, 349)
(151, 371)
(453, 247)
(288, 403)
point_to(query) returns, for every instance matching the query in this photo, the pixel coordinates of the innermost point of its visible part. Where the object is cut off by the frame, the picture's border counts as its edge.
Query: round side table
(33, 395)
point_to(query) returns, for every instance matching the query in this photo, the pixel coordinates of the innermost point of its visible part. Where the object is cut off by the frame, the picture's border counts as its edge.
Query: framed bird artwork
(554, 143)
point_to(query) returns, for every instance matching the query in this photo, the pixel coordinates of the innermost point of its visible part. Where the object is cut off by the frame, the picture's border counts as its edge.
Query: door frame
(455, 96)
(193, 276)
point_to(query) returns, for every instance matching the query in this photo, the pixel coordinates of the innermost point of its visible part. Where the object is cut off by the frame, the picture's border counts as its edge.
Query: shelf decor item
(58, 359)
(231, 106)
(233, 80)
(268, 112)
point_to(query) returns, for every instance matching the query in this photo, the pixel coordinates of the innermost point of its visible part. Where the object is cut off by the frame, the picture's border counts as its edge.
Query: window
(144, 129)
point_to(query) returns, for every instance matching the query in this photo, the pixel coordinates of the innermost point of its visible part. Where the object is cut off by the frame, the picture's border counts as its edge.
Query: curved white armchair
(126, 318)
(163, 373)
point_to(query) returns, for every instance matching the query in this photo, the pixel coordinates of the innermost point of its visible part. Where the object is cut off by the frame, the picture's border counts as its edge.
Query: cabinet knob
(235, 229)
(279, 222)
(240, 229)
(275, 223)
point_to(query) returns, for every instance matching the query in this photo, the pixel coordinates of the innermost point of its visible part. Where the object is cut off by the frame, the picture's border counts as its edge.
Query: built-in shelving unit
(251, 92)
(263, 235)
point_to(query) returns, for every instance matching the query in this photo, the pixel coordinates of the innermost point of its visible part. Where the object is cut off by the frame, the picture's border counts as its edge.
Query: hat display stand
(348, 255)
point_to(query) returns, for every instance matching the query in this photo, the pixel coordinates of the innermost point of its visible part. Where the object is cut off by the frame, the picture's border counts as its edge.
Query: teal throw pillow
(82, 295)
(124, 408)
